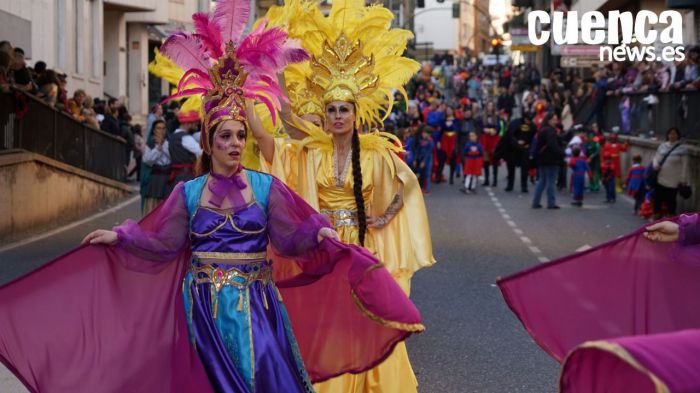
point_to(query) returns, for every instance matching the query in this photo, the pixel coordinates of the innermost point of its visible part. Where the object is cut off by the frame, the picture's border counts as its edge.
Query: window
(79, 38)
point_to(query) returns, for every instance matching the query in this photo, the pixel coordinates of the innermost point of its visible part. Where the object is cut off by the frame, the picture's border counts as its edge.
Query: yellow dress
(308, 167)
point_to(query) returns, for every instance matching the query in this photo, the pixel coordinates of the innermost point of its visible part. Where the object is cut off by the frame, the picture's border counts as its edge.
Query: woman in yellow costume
(355, 178)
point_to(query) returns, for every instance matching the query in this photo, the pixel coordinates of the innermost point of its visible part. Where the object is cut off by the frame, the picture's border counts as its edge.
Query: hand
(376, 222)
(664, 231)
(326, 232)
(521, 143)
(101, 236)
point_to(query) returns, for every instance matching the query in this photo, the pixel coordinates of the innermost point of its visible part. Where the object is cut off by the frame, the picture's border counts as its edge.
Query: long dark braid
(357, 186)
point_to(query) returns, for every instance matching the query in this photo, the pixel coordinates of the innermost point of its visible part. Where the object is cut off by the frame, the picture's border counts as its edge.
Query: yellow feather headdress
(356, 56)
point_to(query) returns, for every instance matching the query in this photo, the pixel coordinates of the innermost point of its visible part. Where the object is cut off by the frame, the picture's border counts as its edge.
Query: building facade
(103, 46)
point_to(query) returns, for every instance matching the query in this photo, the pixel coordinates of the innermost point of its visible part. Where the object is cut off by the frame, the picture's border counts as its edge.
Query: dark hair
(111, 101)
(576, 151)
(20, 51)
(547, 118)
(637, 158)
(40, 66)
(357, 186)
(674, 128)
(156, 122)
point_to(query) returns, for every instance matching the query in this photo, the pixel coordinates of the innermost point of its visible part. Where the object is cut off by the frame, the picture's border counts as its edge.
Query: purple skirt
(241, 331)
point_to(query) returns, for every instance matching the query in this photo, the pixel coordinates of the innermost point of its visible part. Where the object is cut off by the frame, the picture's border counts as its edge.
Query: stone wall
(39, 193)
(647, 148)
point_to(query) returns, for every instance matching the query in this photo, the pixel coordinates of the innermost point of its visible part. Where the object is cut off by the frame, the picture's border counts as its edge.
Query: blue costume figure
(634, 182)
(579, 169)
(424, 157)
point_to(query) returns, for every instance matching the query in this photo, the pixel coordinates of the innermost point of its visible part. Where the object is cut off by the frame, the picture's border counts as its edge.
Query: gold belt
(219, 277)
(341, 217)
(252, 256)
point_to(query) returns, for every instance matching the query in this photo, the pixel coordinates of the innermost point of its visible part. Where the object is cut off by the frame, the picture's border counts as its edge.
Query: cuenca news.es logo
(639, 39)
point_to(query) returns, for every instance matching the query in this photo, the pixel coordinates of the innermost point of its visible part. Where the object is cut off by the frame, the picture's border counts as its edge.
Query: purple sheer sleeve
(293, 224)
(689, 229)
(166, 234)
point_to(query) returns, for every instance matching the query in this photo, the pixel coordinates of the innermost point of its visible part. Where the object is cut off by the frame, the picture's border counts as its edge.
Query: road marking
(526, 240)
(70, 226)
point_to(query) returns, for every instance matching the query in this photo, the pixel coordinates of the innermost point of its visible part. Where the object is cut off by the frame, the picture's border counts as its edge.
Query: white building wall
(435, 24)
(115, 53)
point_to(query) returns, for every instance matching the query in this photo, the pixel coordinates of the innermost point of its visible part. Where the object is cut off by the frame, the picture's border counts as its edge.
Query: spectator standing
(21, 74)
(671, 163)
(110, 124)
(184, 149)
(549, 155)
(156, 156)
(75, 104)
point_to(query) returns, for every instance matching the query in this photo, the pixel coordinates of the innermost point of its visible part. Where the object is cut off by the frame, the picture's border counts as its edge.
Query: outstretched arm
(265, 139)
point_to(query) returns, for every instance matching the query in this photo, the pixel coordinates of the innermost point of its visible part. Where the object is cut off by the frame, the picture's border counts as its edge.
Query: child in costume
(489, 140)
(579, 170)
(473, 153)
(424, 157)
(614, 148)
(634, 182)
(608, 178)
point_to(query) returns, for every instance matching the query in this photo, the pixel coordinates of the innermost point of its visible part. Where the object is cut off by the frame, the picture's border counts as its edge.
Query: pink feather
(186, 51)
(208, 32)
(231, 16)
(196, 77)
(265, 52)
(185, 93)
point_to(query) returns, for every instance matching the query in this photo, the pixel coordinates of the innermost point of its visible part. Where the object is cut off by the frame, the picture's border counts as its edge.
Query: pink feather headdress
(228, 69)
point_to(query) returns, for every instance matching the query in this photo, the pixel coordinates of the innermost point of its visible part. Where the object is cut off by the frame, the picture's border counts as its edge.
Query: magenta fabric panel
(629, 286)
(99, 319)
(593, 370)
(673, 358)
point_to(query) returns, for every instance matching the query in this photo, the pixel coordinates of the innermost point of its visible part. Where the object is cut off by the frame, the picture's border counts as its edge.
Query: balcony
(131, 5)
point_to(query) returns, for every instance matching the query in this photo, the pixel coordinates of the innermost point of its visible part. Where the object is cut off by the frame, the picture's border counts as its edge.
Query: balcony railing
(47, 131)
(679, 108)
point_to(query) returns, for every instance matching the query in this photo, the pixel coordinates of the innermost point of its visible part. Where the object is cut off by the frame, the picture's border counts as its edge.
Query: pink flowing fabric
(99, 319)
(111, 319)
(629, 286)
(625, 313)
(667, 362)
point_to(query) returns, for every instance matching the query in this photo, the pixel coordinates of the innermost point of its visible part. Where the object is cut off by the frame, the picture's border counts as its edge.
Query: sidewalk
(21, 258)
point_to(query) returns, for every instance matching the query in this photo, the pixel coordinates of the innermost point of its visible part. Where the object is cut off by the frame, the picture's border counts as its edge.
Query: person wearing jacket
(549, 154)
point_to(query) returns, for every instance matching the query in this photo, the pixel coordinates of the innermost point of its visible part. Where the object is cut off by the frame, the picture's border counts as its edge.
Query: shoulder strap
(193, 193)
(260, 183)
(668, 154)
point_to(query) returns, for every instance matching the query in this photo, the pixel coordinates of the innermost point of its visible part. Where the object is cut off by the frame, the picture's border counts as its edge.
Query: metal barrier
(49, 132)
(680, 109)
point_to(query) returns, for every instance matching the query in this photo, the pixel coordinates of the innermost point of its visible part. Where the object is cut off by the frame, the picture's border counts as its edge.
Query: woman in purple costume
(187, 299)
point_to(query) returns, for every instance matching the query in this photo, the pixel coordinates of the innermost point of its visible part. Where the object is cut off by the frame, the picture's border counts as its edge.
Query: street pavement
(473, 343)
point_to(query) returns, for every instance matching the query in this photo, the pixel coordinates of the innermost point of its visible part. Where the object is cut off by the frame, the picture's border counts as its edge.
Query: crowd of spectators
(476, 117)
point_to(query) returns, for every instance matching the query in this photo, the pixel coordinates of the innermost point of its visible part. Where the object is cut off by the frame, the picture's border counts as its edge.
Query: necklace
(338, 174)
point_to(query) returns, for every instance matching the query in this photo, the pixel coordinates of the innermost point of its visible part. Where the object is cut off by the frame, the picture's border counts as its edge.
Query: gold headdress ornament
(356, 55)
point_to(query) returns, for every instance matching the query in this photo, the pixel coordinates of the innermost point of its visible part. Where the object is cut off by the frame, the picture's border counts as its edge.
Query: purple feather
(209, 33)
(186, 51)
(185, 93)
(197, 77)
(231, 16)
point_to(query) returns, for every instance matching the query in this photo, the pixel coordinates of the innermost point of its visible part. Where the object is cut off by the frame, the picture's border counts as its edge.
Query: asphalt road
(473, 343)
